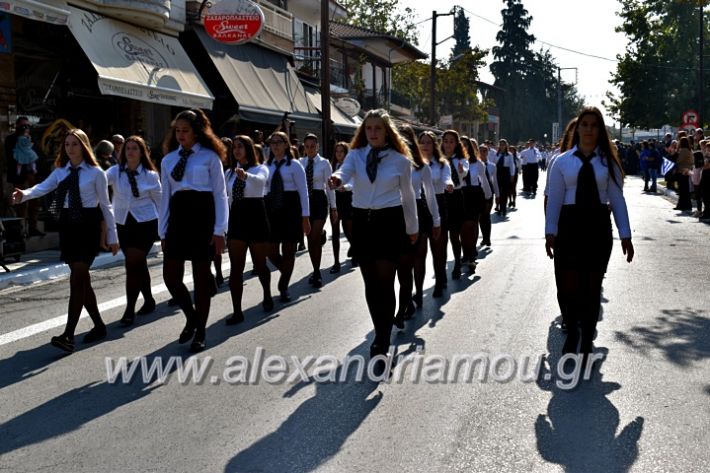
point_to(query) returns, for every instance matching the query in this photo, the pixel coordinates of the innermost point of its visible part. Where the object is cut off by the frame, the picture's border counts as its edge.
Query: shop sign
(234, 21)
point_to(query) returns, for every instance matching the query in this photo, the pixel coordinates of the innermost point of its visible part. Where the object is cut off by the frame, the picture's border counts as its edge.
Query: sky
(584, 26)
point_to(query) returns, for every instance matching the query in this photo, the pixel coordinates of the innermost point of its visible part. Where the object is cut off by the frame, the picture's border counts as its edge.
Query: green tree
(383, 16)
(456, 86)
(461, 34)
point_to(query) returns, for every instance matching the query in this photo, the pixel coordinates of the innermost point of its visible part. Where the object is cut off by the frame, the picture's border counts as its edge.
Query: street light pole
(325, 76)
(432, 74)
(559, 95)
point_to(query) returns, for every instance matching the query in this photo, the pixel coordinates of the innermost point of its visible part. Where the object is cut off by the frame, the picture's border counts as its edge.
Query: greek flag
(666, 166)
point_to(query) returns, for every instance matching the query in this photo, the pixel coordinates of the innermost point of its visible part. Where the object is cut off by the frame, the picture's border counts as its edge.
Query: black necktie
(132, 181)
(454, 173)
(277, 187)
(70, 186)
(309, 175)
(238, 187)
(373, 160)
(179, 169)
(587, 195)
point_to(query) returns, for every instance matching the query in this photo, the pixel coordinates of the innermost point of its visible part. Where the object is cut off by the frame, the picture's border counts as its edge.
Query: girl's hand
(334, 182)
(306, 225)
(114, 248)
(549, 245)
(16, 196)
(628, 248)
(241, 174)
(449, 188)
(218, 242)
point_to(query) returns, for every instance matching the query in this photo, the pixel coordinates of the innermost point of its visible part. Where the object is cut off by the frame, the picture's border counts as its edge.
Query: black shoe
(486, 243)
(197, 346)
(219, 279)
(34, 232)
(301, 247)
(409, 311)
(318, 283)
(285, 296)
(438, 292)
(398, 321)
(235, 318)
(354, 263)
(472, 267)
(187, 333)
(64, 343)
(456, 273)
(315, 278)
(335, 269)
(172, 302)
(417, 299)
(147, 308)
(95, 334)
(571, 342)
(350, 252)
(268, 304)
(127, 319)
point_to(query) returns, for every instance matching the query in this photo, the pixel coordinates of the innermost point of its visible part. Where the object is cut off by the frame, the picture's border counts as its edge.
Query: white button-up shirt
(421, 180)
(530, 155)
(508, 162)
(144, 207)
(392, 186)
(460, 166)
(441, 176)
(203, 173)
(563, 189)
(93, 188)
(255, 184)
(294, 178)
(322, 170)
(477, 176)
(493, 177)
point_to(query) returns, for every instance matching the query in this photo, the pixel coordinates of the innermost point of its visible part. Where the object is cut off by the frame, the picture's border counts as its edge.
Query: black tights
(315, 249)
(405, 265)
(284, 261)
(485, 220)
(379, 293)
(335, 229)
(237, 256)
(137, 277)
(455, 238)
(173, 272)
(81, 295)
(579, 296)
(438, 254)
(469, 238)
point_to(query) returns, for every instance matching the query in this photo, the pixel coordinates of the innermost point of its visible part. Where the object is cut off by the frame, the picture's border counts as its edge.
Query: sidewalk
(45, 265)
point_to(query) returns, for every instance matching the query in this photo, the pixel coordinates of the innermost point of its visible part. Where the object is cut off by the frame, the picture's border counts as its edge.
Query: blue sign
(5, 34)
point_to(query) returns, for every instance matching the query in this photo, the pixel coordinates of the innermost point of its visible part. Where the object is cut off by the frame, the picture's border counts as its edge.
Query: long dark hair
(471, 147)
(394, 140)
(459, 150)
(202, 127)
(566, 140)
(146, 162)
(608, 150)
(289, 149)
(410, 137)
(339, 144)
(437, 154)
(507, 148)
(248, 143)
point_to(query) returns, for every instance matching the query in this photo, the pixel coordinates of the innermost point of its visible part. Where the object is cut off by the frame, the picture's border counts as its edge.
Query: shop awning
(137, 63)
(262, 81)
(56, 13)
(342, 123)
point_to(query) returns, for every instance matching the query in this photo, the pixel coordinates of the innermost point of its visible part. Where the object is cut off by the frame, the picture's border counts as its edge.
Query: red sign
(690, 119)
(234, 21)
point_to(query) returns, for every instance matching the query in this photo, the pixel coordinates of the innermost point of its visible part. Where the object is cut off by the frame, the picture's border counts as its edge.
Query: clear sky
(586, 26)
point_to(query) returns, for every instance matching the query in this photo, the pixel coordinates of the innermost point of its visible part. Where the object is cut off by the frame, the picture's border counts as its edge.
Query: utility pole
(325, 76)
(432, 75)
(559, 95)
(701, 75)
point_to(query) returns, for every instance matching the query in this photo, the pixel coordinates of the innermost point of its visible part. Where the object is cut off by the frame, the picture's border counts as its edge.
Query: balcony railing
(308, 62)
(277, 20)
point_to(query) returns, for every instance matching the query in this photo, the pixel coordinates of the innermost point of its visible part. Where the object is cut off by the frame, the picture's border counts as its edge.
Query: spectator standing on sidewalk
(22, 169)
(684, 167)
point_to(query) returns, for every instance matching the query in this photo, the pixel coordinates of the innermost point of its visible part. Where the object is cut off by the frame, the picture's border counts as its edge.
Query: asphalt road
(645, 407)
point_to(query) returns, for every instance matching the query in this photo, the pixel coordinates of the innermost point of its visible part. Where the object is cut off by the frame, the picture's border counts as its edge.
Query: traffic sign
(690, 119)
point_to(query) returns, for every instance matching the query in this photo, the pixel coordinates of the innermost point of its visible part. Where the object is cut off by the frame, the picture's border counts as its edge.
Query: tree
(461, 34)
(382, 16)
(657, 76)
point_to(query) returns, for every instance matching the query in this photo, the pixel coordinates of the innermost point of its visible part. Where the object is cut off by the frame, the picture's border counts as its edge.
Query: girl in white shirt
(476, 191)
(385, 223)
(585, 182)
(441, 179)
(456, 154)
(485, 217)
(136, 200)
(193, 217)
(344, 205)
(505, 167)
(80, 201)
(288, 207)
(429, 224)
(248, 223)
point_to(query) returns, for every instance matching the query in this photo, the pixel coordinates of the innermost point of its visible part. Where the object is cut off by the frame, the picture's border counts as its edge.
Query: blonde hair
(393, 139)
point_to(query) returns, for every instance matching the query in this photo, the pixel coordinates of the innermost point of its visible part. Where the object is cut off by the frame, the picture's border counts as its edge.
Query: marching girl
(518, 167)
(344, 204)
(248, 223)
(136, 200)
(505, 169)
(384, 216)
(288, 206)
(193, 217)
(476, 191)
(80, 202)
(584, 183)
(320, 198)
(429, 225)
(485, 218)
(229, 147)
(441, 180)
(455, 153)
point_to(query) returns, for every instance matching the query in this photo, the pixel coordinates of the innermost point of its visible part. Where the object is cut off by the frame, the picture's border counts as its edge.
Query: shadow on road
(579, 431)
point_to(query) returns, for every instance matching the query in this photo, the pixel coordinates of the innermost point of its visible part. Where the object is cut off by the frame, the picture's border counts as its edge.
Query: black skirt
(318, 202)
(190, 226)
(379, 234)
(344, 202)
(426, 222)
(286, 222)
(443, 211)
(455, 207)
(473, 200)
(248, 221)
(79, 240)
(584, 239)
(138, 235)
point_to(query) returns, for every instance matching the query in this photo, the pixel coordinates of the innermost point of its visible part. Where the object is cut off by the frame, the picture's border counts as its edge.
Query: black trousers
(530, 176)
(684, 202)
(484, 221)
